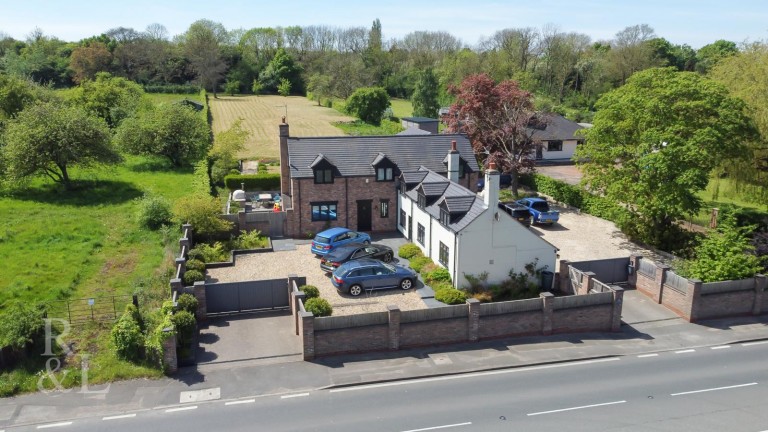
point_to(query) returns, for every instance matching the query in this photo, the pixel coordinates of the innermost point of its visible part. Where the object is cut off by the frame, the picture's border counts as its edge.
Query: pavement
(647, 329)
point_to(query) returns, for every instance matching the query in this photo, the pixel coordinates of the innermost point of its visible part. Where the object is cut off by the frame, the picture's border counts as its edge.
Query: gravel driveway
(302, 262)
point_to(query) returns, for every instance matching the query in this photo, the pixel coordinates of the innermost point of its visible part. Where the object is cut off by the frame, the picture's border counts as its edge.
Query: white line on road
(721, 347)
(685, 351)
(117, 417)
(754, 343)
(472, 375)
(186, 408)
(713, 389)
(294, 395)
(647, 355)
(439, 427)
(238, 402)
(577, 408)
(52, 425)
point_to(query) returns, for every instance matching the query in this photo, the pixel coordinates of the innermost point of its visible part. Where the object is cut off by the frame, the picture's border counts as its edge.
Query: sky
(692, 22)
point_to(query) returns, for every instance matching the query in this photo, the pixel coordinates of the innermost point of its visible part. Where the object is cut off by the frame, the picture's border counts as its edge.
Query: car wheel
(387, 257)
(367, 242)
(406, 284)
(355, 290)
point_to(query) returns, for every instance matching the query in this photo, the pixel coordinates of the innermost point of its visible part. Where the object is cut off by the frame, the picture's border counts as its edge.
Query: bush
(253, 182)
(127, 337)
(187, 302)
(419, 262)
(184, 323)
(319, 307)
(196, 254)
(215, 253)
(172, 88)
(310, 291)
(368, 104)
(408, 251)
(202, 211)
(439, 274)
(20, 324)
(192, 276)
(250, 240)
(196, 264)
(450, 296)
(153, 211)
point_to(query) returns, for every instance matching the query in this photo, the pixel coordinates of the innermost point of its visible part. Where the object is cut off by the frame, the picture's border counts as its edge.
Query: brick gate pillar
(394, 327)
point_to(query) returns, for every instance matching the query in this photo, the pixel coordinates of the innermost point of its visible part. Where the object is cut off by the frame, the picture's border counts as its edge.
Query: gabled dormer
(410, 179)
(429, 193)
(324, 169)
(385, 169)
(453, 208)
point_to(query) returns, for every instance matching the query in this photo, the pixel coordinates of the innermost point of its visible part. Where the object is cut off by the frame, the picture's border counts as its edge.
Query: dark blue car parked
(354, 277)
(330, 239)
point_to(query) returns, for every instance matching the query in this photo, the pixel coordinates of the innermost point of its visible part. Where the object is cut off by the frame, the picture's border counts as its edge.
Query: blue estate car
(354, 277)
(330, 239)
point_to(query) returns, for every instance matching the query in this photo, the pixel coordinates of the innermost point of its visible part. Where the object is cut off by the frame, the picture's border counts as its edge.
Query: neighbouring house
(424, 123)
(466, 232)
(350, 181)
(558, 138)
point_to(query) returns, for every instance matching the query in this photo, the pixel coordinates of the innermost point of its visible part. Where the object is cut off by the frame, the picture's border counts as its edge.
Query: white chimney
(491, 189)
(454, 158)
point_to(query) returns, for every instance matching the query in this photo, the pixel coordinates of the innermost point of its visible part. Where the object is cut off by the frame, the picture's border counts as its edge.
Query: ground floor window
(402, 218)
(443, 254)
(384, 208)
(324, 211)
(420, 234)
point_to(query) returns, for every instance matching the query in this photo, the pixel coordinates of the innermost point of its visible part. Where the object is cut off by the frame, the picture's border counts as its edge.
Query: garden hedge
(253, 182)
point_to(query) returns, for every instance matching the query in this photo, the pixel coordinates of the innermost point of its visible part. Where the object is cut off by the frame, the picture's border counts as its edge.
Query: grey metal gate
(233, 297)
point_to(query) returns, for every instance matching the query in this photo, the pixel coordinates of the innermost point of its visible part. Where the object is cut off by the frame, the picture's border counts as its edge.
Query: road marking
(647, 355)
(720, 347)
(685, 351)
(714, 389)
(439, 427)
(754, 343)
(52, 425)
(294, 395)
(472, 375)
(238, 402)
(200, 395)
(577, 408)
(186, 408)
(119, 416)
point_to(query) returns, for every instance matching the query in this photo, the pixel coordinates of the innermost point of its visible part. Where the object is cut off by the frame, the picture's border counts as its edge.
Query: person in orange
(276, 207)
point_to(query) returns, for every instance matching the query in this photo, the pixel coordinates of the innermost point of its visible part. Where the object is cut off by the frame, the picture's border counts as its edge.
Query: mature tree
(654, 143)
(15, 94)
(425, 95)
(368, 104)
(111, 98)
(202, 45)
(320, 87)
(202, 211)
(173, 131)
(630, 52)
(709, 55)
(50, 138)
(744, 74)
(88, 60)
(223, 154)
(496, 119)
(232, 87)
(43, 59)
(282, 66)
(724, 254)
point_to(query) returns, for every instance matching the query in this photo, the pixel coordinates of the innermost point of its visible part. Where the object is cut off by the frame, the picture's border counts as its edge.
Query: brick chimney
(454, 159)
(285, 171)
(491, 189)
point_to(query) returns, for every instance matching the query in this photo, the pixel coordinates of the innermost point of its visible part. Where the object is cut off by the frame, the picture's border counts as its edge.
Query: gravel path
(302, 262)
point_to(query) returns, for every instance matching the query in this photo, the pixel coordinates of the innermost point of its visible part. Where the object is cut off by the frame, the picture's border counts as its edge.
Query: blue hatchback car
(330, 239)
(354, 277)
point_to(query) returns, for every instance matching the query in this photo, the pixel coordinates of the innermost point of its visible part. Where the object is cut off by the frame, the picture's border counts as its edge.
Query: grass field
(262, 114)
(401, 108)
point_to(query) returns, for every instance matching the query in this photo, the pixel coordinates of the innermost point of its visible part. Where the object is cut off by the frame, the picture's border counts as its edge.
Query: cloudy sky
(692, 22)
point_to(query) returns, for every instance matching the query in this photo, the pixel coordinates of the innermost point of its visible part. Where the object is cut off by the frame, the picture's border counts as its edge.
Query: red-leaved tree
(499, 120)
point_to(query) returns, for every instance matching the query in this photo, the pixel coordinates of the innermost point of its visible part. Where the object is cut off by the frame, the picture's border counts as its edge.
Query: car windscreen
(321, 239)
(540, 206)
(389, 267)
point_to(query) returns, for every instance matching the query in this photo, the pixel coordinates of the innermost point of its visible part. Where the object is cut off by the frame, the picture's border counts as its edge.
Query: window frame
(385, 174)
(320, 204)
(445, 217)
(554, 145)
(421, 200)
(444, 254)
(420, 233)
(384, 208)
(402, 218)
(326, 175)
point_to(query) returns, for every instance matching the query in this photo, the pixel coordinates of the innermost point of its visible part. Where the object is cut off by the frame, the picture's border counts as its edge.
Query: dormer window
(384, 174)
(323, 176)
(445, 217)
(422, 200)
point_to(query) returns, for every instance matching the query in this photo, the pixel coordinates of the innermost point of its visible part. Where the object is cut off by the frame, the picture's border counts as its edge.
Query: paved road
(705, 389)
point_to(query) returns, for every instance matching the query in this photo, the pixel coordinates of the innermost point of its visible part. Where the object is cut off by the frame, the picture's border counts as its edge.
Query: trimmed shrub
(408, 251)
(196, 254)
(319, 307)
(419, 262)
(127, 337)
(439, 274)
(253, 182)
(196, 264)
(192, 276)
(215, 253)
(187, 302)
(184, 323)
(310, 291)
(153, 211)
(450, 296)
(250, 240)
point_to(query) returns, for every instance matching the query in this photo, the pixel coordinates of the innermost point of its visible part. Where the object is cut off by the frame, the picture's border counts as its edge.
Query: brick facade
(582, 319)
(357, 339)
(433, 332)
(521, 324)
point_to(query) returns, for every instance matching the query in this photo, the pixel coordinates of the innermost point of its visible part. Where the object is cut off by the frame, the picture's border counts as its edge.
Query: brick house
(351, 181)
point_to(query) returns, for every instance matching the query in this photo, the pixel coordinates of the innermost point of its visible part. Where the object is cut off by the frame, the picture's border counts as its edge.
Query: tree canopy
(425, 95)
(368, 104)
(111, 98)
(655, 141)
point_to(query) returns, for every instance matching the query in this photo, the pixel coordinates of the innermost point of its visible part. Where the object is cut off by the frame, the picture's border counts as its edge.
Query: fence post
(618, 302)
(176, 285)
(187, 228)
(202, 305)
(307, 321)
(473, 319)
(761, 284)
(586, 283)
(547, 310)
(661, 275)
(563, 277)
(634, 265)
(394, 327)
(184, 243)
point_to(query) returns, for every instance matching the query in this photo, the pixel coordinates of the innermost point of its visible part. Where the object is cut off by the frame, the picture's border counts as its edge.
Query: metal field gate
(234, 297)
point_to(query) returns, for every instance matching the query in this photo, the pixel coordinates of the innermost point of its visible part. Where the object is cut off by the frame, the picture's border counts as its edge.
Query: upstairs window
(443, 259)
(445, 217)
(461, 170)
(323, 176)
(384, 174)
(422, 202)
(420, 234)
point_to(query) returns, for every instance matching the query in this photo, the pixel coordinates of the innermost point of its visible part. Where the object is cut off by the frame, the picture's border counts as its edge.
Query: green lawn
(722, 192)
(401, 108)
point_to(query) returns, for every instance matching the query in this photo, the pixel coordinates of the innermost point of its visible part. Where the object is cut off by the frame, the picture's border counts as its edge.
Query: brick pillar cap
(472, 301)
(393, 308)
(546, 294)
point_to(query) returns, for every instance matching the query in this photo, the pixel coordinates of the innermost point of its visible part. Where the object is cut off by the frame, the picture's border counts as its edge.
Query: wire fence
(101, 309)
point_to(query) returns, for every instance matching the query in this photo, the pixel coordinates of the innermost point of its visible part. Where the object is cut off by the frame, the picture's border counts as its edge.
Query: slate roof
(413, 130)
(420, 119)
(352, 156)
(557, 128)
(463, 204)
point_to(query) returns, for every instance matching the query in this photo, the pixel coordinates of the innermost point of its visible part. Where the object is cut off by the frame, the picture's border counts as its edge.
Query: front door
(364, 215)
